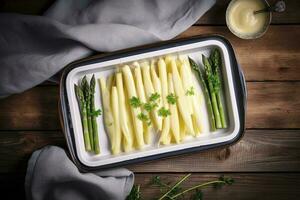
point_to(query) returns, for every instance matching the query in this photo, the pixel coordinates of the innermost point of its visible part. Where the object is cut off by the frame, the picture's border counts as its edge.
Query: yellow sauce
(243, 21)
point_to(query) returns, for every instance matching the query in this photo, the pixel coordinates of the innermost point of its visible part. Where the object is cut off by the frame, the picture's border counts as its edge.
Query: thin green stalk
(210, 80)
(215, 57)
(195, 187)
(94, 117)
(83, 113)
(206, 94)
(86, 91)
(215, 105)
(221, 109)
(178, 183)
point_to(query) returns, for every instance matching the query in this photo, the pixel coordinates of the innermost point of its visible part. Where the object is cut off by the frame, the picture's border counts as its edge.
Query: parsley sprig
(172, 98)
(96, 112)
(153, 97)
(150, 106)
(135, 102)
(190, 92)
(143, 117)
(163, 112)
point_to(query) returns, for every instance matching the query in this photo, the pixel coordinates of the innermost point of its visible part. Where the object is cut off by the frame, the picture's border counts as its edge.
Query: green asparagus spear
(212, 82)
(83, 113)
(206, 94)
(94, 116)
(215, 57)
(86, 91)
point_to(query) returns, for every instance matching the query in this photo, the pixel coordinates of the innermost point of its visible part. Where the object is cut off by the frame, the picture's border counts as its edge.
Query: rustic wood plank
(259, 150)
(246, 186)
(16, 147)
(35, 109)
(273, 105)
(217, 14)
(275, 56)
(270, 105)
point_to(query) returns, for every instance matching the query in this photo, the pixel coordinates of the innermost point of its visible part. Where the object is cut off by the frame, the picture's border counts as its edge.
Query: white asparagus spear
(188, 76)
(107, 113)
(174, 113)
(129, 117)
(138, 124)
(149, 90)
(182, 102)
(141, 94)
(115, 111)
(162, 70)
(128, 140)
(157, 87)
(186, 85)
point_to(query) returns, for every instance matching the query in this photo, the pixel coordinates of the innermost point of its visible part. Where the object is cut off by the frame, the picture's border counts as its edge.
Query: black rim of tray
(238, 81)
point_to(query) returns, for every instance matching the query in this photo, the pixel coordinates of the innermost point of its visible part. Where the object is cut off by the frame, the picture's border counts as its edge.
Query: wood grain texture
(246, 187)
(16, 147)
(35, 109)
(273, 105)
(258, 151)
(270, 105)
(272, 156)
(216, 15)
(275, 56)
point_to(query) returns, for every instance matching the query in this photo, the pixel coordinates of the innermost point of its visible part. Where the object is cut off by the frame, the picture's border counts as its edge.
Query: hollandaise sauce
(241, 17)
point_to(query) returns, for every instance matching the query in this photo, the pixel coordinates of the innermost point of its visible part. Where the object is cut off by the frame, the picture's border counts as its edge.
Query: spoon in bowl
(278, 7)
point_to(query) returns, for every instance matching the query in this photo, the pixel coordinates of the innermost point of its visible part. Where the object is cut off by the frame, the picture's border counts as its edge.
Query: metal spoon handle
(278, 7)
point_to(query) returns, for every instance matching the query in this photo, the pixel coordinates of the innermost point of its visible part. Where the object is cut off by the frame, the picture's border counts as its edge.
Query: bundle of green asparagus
(85, 93)
(212, 83)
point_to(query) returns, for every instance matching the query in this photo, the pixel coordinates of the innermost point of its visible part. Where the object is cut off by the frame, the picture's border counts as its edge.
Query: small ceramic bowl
(252, 35)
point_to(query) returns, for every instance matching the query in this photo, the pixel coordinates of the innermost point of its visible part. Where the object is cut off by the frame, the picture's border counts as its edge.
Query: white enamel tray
(233, 94)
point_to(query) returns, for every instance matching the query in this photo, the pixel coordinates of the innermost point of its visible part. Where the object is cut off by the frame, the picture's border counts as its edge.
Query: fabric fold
(34, 48)
(52, 175)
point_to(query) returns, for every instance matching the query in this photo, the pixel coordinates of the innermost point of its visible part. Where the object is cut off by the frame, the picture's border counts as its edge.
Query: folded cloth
(52, 175)
(34, 48)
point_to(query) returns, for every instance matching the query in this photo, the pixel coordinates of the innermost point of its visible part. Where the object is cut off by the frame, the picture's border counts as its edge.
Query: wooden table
(265, 163)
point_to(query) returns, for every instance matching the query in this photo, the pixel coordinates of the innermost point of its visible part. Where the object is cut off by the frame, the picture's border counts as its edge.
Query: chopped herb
(198, 195)
(190, 92)
(145, 118)
(171, 98)
(149, 106)
(223, 181)
(135, 193)
(153, 97)
(163, 112)
(96, 113)
(135, 102)
(156, 180)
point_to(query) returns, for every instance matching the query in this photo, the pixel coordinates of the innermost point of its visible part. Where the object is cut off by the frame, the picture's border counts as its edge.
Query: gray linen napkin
(52, 175)
(34, 48)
